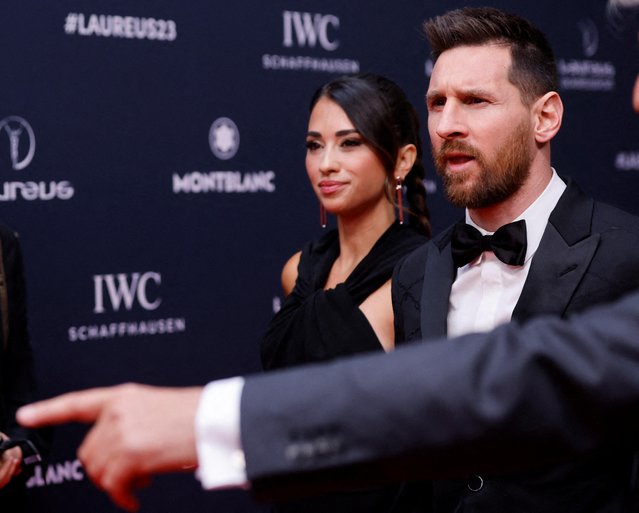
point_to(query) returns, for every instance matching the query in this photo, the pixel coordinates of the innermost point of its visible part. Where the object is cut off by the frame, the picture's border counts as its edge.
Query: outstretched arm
(511, 399)
(506, 401)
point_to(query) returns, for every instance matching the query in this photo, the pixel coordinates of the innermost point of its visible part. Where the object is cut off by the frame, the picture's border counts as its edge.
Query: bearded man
(532, 243)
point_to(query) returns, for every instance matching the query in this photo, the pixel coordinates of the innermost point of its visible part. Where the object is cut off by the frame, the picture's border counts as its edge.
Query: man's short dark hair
(533, 70)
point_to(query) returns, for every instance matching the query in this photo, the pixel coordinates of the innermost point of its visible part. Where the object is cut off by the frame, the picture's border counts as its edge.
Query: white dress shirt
(486, 290)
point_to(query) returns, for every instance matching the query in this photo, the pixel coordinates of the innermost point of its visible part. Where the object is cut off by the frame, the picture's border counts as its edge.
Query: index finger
(82, 406)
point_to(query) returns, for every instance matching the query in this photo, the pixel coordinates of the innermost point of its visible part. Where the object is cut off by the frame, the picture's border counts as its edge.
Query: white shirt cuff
(217, 433)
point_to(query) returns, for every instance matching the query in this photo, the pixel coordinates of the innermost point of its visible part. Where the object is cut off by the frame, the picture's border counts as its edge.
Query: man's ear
(548, 111)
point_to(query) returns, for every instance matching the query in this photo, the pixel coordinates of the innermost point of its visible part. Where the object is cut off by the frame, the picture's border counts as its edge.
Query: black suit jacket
(503, 402)
(589, 254)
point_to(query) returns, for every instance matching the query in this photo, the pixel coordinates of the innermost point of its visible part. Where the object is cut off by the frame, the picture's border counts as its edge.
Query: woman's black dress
(317, 325)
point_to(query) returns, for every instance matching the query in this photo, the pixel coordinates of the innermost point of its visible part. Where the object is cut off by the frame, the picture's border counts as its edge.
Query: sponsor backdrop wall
(152, 160)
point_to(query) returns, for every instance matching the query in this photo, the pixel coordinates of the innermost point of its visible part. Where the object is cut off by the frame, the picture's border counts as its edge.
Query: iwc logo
(21, 141)
(224, 138)
(310, 30)
(133, 291)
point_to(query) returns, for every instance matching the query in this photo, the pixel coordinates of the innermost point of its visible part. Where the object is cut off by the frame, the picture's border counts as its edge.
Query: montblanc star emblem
(224, 138)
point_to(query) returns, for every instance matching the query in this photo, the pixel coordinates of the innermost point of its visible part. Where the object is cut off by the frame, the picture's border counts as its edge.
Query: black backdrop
(152, 160)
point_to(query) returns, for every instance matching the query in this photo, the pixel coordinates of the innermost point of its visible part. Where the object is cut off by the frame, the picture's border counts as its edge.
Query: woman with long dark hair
(363, 157)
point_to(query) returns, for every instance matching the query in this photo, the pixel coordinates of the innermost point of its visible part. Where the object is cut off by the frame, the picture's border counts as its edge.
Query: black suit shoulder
(610, 218)
(614, 269)
(407, 287)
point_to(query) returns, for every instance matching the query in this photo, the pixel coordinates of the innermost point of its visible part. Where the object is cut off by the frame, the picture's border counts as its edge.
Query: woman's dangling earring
(322, 215)
(398, 198)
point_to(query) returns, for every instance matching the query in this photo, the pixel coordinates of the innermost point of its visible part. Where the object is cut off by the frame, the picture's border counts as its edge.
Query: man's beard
(497, 179)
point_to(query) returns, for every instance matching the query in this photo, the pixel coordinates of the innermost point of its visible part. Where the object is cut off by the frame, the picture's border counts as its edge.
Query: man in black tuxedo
(17, 381)
(531, 243)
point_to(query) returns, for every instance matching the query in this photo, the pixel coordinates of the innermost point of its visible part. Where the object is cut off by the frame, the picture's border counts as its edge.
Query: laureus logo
(589, 37)
(224, 138)
(587, 73)
(21, 141)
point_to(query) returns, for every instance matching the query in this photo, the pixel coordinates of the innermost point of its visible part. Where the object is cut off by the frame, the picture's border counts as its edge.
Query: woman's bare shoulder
(289, 273)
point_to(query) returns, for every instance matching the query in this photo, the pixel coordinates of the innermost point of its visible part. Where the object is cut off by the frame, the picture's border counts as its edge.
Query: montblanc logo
(307, 29)
(126, 290)
(224, 138)
(56, 474)
(21, 141)
(120, 293)
(310, 30)
(224, 141)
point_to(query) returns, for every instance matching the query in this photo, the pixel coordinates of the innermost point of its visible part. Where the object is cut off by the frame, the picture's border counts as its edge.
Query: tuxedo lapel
(439, 274)
(564, 254)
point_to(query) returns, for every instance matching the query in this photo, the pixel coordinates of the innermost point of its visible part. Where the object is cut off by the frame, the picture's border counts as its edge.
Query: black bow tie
(508, 243)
